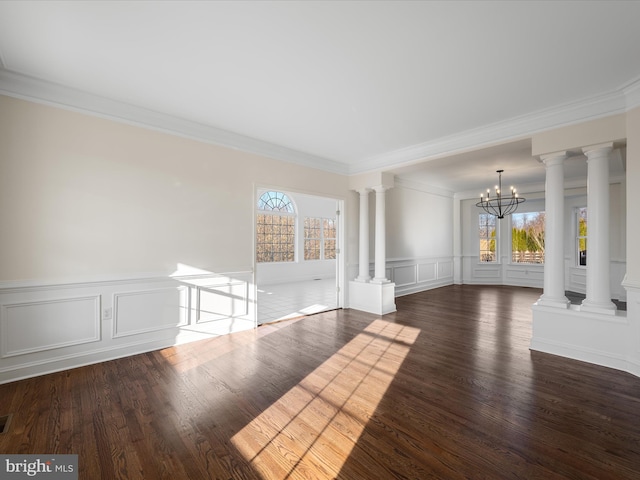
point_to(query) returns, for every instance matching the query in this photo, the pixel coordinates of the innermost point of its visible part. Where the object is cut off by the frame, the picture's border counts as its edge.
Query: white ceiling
(346, 86)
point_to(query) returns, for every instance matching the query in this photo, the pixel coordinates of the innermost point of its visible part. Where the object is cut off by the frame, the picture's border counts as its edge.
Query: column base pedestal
(607, 308)
(557, 302)
(378, 298)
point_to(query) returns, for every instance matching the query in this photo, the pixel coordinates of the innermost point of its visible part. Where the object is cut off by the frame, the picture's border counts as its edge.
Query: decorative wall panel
(148, 311)
(404, 275)
(217, 302)
(427, 271)
(39, 325)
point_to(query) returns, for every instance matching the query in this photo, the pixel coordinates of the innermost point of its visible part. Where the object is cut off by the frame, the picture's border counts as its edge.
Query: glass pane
(329, 228)
(582, 222)
(527, 237)
(487, 237)
(582, 253)
(329, 249)
(275, 201)
(582, 236)
(275, 238)
(312, 250)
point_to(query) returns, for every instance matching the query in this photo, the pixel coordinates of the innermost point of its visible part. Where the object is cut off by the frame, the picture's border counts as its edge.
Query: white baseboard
(576, 352)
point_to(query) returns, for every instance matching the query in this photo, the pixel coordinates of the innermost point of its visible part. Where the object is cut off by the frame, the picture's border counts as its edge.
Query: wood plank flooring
(445, 388)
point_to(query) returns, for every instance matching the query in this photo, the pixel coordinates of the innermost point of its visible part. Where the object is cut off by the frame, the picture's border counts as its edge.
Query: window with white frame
(329, 238)
(527, 237)
(487, 238)
(319, 238)
(275, 228)
(581, 236)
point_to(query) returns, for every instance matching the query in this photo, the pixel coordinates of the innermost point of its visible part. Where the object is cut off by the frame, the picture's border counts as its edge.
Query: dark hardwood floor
(445, 388)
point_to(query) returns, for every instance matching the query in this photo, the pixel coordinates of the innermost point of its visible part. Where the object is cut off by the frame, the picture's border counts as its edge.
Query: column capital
(381, 188)
(599, 149)
(363, 191)
(555, 158)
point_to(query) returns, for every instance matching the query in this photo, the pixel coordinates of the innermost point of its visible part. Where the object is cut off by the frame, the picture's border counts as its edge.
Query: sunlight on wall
(220, 303)
(316, 424)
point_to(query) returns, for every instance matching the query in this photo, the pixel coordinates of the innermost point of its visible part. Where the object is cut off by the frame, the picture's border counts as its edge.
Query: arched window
(275, 228)
(275, 201)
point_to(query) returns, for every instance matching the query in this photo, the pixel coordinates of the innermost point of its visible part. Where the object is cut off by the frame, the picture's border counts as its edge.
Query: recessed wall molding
(412, 275)
(64, 326)
(223, 300)
(39, 325)
(146, 311)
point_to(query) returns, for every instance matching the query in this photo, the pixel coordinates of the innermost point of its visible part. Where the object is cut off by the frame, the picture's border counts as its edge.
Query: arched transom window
(275, 228)
(275, 201)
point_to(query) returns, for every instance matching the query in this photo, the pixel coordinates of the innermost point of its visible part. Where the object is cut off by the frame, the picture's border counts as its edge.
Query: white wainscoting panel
(150, 310)
(40, 325)
(491, 273)
(412, 275)
(405, 275)
(221, 301)
(524, 275)
(427, 271)
(50, 327)
(445, 269)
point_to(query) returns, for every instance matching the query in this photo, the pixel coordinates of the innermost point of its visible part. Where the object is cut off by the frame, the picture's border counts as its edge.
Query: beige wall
(419, 224)
(82, 196)
(602, 130)
(633, 196)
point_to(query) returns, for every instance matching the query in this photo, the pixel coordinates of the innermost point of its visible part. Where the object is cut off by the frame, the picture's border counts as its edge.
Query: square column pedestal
(378, 298)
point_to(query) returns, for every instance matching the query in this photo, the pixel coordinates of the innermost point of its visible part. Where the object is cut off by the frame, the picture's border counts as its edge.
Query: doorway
(298, 261)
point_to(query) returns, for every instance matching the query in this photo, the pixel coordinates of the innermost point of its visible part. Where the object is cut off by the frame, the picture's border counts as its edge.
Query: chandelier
(500, 205)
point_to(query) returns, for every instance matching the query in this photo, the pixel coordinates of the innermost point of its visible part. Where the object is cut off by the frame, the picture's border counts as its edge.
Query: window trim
(578, 237)
(321, 239)
(496, 229)
(292, 211)
(511, 227)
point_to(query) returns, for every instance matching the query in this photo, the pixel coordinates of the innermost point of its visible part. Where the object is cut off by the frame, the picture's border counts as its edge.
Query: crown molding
(422, 187)
(512, 129)
(632, 93)
(33, 89)
(36, 90)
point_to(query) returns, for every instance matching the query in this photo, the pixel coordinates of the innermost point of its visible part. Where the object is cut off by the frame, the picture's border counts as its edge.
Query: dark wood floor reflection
(445, 388)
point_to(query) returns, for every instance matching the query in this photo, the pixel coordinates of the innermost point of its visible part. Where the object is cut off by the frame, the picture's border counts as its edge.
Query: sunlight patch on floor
(310, 431)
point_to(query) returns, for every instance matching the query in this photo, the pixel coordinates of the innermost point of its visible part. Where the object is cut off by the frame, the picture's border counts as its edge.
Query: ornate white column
(363, 265)
(380, 238)
(553, 294)
(375, 295)
(598, 297)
